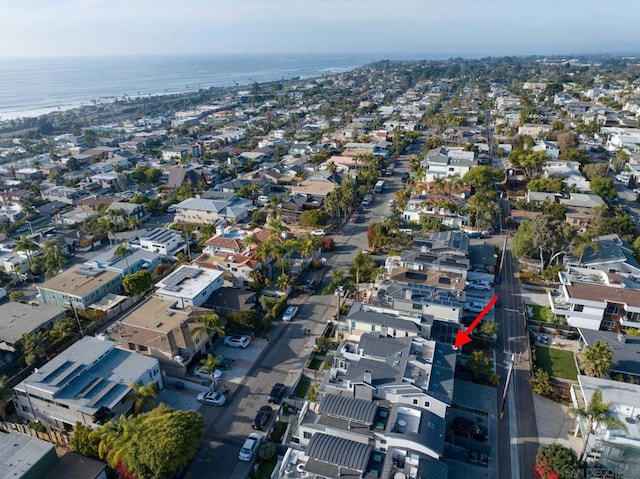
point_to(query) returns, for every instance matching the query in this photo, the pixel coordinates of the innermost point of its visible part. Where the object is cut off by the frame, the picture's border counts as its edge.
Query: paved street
(283, 358)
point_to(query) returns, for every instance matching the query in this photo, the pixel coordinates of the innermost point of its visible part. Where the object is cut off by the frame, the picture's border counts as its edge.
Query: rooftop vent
(158, 324)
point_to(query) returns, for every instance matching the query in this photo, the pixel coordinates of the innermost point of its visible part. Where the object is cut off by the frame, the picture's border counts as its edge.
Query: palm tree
(596, 413)
(583, 242)
(133, 224)
(210, 363)
(115, 437)
(283, 282)
(54, 257)
(597, 359)
(34, 345)
(64, 328)
(28, 246)
(307, 246)
(143, 397)
(249, 240)
(122, 250)
(361, 262)
(332, 168)
(337, 284)
(288, 247)
(210, 325)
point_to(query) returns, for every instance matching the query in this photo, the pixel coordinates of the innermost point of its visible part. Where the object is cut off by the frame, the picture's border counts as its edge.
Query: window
(611, 309)
(307, 435)
(427, 404)
(608, 324)
(578, 307)
(373, 327)
(417, 306)
(415, 401)
(353, 325)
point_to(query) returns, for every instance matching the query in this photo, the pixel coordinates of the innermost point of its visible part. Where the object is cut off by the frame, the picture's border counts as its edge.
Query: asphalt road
(517, 429)
(228, 426)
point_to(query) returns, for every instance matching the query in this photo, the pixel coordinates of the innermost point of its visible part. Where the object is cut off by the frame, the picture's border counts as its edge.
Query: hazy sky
(460, 27)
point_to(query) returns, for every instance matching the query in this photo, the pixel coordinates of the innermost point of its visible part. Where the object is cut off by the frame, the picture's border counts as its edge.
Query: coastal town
(411, 270)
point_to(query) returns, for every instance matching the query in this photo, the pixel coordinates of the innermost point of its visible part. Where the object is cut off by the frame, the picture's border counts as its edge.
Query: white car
(479, 285)
(318, 233)
(474, 307)
(290, 313)
(237, 341)
(202, 372)
(250, 447)
(211, 397)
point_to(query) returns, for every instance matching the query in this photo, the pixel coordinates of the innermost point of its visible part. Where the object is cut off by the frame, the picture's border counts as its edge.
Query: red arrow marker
(462, 337)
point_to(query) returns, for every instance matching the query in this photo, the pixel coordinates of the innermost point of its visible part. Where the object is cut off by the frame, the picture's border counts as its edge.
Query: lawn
(314, 363)
(536, 312)
(557, 362)
(302, 388)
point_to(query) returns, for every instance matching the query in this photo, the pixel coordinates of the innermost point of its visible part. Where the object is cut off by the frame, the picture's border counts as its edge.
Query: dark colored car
(277, 391)
(263, 415)
(466, 427)
(225, 363)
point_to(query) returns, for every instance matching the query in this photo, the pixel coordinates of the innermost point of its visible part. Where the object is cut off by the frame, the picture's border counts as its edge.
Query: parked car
(262, 417)
(277, 391)
(237, 341)
(473, 307)
(225, 363)
(290, 313)
(462, 426)
(211, 397)
(202, 372)
(250, 447)
(318, 232)
(480, 285)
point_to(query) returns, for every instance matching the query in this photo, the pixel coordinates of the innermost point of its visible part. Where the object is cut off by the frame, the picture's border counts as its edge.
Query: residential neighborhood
(409, 270)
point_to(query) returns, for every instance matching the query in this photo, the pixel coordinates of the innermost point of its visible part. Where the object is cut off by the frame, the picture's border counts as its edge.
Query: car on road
(211, 397)
(318, 232)
(262, 417)
(277, 391)
(367, 200)
(250, 447)
(290, 313)
(462, 426)
(480, 285)
(237, 341)
(473, 307)
(201, 371)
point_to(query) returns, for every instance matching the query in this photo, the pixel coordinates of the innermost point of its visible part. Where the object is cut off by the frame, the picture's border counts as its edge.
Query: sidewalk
(555, 424)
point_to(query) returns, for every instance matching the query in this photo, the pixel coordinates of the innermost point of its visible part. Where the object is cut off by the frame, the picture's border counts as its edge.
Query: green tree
(267, 451)
(567, 140)
(313, 218)
(593, 170)
(143, 397)
(555, 461)
(159, 431)
(603, 187)
(6, 393)
(582, 243)
(483, 177)
(210, 363)
(338, 282)
(489, 328)
(28, 246)
(541, 383)
(54, 257)
(546, 185)
(597, 359)
(209, 326)
(138, 282)
(362, 265)
(17, 296)
(480, 366)
(84, 441)
(35, 345)
(551, 236)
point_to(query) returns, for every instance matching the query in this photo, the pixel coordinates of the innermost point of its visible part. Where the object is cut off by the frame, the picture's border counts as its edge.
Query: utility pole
(507, 383)
(75, 312)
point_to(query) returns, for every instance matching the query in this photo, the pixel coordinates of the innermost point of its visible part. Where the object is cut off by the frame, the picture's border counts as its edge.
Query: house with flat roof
(80, 286)
(442, 162)
(17, 319)
(25, 457)
(189, 285)
(611, 447)
(162, 241)
(88, 382)
(75, 466)
(158, 329)
(402, 370)
(364, 318)
(134, 260)
(625, 350)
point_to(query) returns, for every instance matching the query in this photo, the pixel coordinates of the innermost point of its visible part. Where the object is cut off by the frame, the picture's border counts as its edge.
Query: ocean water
(34, 86)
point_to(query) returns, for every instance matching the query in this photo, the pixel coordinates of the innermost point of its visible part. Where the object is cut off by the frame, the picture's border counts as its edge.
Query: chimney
(367, 376)
(423, 249)
(384, 331)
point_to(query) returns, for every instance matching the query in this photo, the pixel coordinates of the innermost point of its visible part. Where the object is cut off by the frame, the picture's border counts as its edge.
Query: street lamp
(338, 292)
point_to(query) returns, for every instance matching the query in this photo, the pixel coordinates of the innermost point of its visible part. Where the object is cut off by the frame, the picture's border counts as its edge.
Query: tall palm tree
(307, 246)
(115, 438)
(209, 325)
(361, 262)
(210, 363)
(249, 240)
(64, 328)
(288, 247)
(133, 224)
(143, 397)
(283, 282)
(597, 359)
(338, 284)
(28, 246)
(122, 250)
(596, 413)
(54, 257)
(438, 184)
(583, 242)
